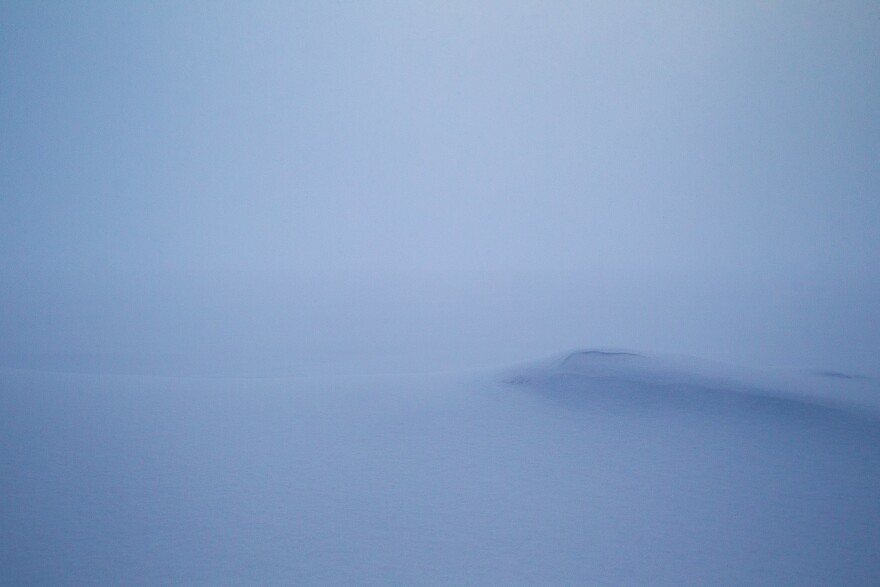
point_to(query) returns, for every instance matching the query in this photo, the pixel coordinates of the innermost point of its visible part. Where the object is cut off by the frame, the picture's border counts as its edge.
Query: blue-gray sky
(257, 186)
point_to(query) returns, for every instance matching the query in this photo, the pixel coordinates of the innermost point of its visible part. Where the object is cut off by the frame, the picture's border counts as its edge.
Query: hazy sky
(254, 187)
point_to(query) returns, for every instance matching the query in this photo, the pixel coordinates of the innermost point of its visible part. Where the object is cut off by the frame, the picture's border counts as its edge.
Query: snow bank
(689, 382)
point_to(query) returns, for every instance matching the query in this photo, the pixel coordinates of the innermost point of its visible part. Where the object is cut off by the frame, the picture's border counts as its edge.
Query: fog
(282, 188)
(447, 293)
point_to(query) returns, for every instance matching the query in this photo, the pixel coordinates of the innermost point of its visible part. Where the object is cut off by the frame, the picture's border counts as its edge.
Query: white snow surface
(597, 467)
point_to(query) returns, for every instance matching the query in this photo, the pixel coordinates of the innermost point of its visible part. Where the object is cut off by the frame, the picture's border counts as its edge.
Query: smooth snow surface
(595, 468)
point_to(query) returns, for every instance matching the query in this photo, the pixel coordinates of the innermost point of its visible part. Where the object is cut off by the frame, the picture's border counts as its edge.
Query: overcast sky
(256, 187)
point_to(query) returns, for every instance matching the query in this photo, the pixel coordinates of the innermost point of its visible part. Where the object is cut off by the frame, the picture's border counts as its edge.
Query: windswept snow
(598, 467)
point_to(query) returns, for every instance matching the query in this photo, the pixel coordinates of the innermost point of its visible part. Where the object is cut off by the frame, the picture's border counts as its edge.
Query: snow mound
(626, 378)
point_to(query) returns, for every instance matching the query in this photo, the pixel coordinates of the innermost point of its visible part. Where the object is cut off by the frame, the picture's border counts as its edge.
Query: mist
(440, 293)
(280, 188)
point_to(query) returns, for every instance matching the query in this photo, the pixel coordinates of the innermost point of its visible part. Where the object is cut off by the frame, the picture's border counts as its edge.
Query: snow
(599, 467)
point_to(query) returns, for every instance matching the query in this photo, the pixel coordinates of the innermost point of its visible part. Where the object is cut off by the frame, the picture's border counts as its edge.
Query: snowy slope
(593, 468)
